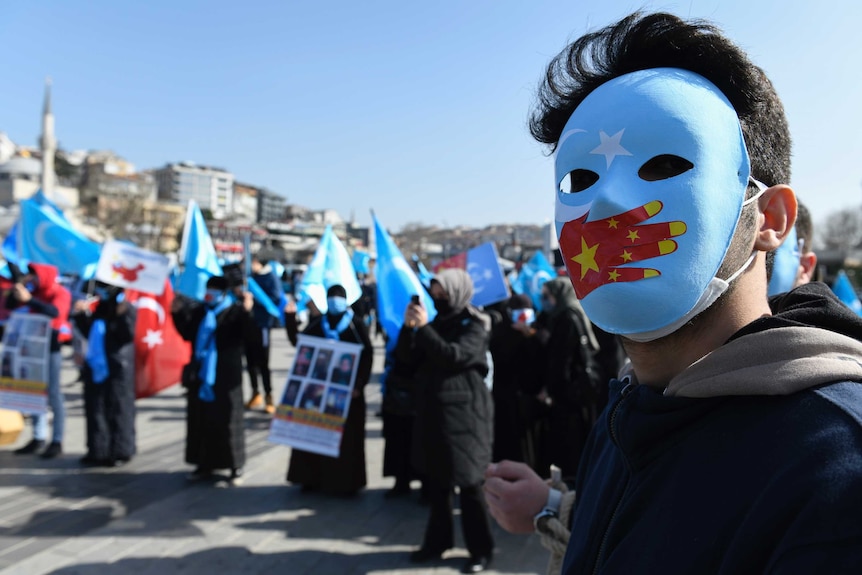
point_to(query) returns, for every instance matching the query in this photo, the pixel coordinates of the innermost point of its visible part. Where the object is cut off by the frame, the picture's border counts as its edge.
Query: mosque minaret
(48, 143)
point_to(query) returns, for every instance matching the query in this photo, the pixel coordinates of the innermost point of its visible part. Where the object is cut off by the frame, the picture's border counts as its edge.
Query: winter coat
(453, 428)
(749, 462)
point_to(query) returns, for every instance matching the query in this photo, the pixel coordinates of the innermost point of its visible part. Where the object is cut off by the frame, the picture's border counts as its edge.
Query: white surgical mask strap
(761, 188)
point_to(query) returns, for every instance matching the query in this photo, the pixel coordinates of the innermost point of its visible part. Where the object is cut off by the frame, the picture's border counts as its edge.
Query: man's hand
(247, 301)
(21, 293)
(81, 306)
(515, 494)
(290, 306)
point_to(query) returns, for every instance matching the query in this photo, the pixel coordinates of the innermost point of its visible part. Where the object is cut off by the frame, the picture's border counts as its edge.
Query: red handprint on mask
(594, 251)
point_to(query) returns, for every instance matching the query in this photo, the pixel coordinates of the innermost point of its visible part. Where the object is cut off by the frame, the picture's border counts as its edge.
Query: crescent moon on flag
(152, 305)
(39, 237)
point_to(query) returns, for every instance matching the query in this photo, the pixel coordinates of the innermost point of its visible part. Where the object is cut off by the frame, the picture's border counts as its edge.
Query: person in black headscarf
(454, 414)
(109, 376)
(572, 378)
(215, 437)
(345, 474)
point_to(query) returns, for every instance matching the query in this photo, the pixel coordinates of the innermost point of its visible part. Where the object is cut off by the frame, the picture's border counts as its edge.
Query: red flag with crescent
(160, 351)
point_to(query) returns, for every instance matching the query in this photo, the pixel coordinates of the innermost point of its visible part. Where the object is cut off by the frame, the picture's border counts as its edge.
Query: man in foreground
(733, 444)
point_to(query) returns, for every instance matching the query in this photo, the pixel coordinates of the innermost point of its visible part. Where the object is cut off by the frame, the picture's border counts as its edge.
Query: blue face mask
(547, 304)
(336, 304)
(785, 267)
(30, 286)
(102, 293)
(213, 297)
(652, 172)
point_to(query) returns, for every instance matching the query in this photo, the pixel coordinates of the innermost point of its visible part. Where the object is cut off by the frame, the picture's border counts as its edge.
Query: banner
(397, 283)
(197, 255)
(316, 399)
(331, 265)
(160, 351)
(24, 363)
(489, 284)
(131, 267)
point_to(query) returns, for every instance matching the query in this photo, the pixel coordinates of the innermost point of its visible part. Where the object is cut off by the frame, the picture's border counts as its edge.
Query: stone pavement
(56, 517)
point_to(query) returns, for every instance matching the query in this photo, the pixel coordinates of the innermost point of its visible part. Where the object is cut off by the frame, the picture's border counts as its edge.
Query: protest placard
(316, 398)
(131, 267)
(24, 363)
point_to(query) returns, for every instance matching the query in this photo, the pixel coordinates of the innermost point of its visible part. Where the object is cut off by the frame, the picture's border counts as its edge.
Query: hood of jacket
(810, 340)
(47, 279)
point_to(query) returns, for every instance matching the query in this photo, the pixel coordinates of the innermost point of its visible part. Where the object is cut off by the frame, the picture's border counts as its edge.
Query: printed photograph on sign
(11, 339)
(336, 402)
(291, 392)
(321, 364)
(312, 397)
(30, 370)
(303, 360)
(7, 364)
(33, 348)
(343, 369)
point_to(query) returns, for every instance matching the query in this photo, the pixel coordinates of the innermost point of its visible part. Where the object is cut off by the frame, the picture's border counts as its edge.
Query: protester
(454, 414)
(345, 474)
(732, 444)
(258, 336)
(793, 263)
(399, 412)
(518, 414)
(109, 376)
(215, 437)
(39, 292)
(569, 374)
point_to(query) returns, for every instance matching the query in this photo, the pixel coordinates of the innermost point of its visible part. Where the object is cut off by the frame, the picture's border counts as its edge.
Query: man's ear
(777, 208)
(807, 268)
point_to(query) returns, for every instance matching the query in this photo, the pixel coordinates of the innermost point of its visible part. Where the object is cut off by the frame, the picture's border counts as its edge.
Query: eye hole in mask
(663, 167)
(578, 181)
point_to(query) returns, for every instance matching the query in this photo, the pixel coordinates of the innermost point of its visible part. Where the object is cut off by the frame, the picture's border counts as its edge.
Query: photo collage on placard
(25, 348)
(320, 380)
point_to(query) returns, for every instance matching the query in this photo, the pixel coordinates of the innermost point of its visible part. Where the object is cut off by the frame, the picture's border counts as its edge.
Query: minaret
(48, 144)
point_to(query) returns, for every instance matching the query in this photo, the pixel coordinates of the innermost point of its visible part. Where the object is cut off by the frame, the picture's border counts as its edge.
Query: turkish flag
(160, 351)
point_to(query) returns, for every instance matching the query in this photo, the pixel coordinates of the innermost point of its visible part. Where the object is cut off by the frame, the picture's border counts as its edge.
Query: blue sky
(415, 110)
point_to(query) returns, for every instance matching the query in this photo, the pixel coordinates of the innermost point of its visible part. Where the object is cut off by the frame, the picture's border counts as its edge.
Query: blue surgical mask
(652, 172)
(547, 304)
(30, 287)
(214, 297)
(102, 292)
(336, 304)
(785, 266)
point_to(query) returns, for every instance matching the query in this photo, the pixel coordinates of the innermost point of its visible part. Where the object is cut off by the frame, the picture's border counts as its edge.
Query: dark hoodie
(50, 299)
(749, 462)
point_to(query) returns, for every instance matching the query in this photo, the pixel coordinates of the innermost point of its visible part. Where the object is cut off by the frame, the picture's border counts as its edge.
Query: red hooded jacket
(51, 292)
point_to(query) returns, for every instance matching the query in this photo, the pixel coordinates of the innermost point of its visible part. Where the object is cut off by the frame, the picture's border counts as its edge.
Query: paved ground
(146, 518)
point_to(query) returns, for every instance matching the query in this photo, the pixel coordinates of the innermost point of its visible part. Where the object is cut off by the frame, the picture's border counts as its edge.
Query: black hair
(217, 282)
(336, 291)
(644, 41)
(804, 227)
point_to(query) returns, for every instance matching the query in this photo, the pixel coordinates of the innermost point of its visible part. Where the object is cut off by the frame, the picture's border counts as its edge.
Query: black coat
(346, 473)
(215, 434)
(109, 406)
(454, 410)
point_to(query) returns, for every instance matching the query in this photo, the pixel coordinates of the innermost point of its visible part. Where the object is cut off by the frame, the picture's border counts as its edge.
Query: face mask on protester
(652, 172)
(442, 305)
(785, 265)
(336, 304)
(214, 297)
(547, 304)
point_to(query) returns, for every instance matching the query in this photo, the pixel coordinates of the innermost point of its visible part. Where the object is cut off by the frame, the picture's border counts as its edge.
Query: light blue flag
(261, 297)
(845, 292)
(45, 236)
(424, 275)
(396, 284)
(489, 284)
(198, 255)
(330, 266)
(361, 260)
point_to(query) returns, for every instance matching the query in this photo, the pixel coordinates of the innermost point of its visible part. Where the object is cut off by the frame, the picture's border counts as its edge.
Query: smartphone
(415, 299)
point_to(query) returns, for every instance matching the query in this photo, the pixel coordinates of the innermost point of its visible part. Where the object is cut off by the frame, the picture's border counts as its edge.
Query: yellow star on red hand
(587, 258)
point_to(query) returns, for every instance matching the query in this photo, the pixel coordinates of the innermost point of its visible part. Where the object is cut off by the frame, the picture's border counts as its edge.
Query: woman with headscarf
(454, 414)
(109, 376)
(215, 434)
(571, 377)
(345, 474)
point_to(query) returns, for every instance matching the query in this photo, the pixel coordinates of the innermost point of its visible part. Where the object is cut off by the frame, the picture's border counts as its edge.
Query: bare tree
(843, 229)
